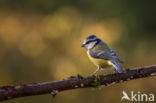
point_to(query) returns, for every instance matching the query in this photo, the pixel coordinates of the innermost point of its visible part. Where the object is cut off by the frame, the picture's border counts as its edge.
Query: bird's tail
(118, 67)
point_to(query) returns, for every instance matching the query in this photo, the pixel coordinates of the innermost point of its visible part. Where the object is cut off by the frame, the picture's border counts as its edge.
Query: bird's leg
(95, 73)
(115, 71)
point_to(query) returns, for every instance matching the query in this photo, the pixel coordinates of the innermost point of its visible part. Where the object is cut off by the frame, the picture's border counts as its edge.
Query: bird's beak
(82, 45)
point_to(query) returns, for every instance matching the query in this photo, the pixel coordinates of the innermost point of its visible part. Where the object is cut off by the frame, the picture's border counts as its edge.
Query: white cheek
(91, 45)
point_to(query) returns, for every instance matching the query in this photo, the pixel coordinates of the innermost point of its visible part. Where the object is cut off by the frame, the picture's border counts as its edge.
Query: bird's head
(90, 42)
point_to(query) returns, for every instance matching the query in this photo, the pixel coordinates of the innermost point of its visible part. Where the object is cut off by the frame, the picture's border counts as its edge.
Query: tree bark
(74, 82)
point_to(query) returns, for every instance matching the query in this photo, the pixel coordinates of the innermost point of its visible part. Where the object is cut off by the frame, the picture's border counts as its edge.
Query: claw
(95, 73)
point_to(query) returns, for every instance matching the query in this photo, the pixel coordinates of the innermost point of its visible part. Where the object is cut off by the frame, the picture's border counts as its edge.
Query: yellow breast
(99, 62)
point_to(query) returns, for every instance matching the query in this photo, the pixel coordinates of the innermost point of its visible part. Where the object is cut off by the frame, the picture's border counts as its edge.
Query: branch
(74, 82)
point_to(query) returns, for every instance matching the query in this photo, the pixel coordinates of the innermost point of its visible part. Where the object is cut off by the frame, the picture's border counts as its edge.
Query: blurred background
(40, 41)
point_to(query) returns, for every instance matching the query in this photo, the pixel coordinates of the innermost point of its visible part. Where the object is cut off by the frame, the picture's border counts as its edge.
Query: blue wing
(108, 55)
(112, 53)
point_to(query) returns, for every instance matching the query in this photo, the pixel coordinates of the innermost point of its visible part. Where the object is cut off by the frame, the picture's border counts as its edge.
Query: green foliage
(97, 82)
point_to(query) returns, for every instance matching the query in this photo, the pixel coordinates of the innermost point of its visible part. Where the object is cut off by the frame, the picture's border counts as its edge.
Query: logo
(138, 96)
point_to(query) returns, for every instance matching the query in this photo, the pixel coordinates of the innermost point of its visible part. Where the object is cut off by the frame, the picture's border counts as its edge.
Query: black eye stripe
(98, 41)
(93, 41)
(88, 42)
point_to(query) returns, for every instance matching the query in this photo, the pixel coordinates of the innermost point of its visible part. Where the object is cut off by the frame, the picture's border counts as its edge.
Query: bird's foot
(115, 71)
(94, 74)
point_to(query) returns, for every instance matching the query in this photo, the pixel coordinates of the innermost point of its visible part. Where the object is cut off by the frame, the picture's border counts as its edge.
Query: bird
(102, 55)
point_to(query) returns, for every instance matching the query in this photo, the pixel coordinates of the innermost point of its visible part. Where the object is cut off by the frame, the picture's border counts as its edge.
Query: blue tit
(101, 54)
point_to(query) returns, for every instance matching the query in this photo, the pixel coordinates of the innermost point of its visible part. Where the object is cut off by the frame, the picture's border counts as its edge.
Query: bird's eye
(90, 41)
(87, 42)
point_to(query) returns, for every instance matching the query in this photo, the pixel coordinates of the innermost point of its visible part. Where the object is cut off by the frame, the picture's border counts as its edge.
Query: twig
(74, 82)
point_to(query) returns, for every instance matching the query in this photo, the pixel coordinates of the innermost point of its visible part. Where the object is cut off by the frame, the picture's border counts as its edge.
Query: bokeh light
(41, 41)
